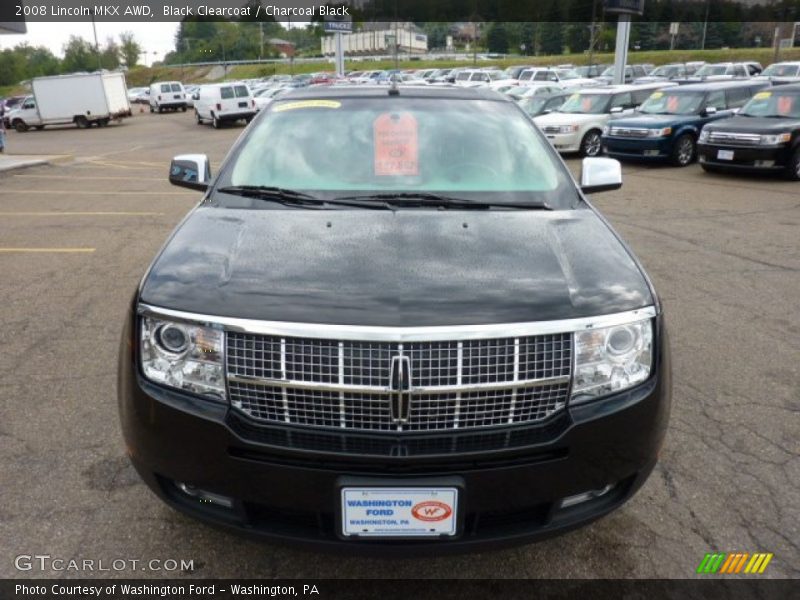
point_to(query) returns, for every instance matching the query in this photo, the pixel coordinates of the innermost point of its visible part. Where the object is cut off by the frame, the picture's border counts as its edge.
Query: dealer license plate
(725, 154)
(399, 512)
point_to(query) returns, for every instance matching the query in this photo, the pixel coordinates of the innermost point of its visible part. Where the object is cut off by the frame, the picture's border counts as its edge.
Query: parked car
(782, 73)
(578, 124)
(632, 72)
(475, 77)
(192, 92)
(762, 137)
(134, 93)
(82, 99)
(167, 95)
(668, 124)
(265, 96)
(669, 72)
(542, 104)
(566, 78)
(222, 103)
(724, 71)
(590, 71)
(336, 349)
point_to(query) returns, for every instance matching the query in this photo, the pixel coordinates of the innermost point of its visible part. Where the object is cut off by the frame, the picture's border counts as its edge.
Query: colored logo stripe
(734, 562)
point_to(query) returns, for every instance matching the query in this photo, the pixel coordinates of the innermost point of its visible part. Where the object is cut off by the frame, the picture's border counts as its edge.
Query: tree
(129, 49)
(497, 39)
(79, 55)
(109, 57)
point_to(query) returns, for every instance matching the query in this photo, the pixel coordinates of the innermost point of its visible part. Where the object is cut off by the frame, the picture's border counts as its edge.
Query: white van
(224, 102)
(167, 95)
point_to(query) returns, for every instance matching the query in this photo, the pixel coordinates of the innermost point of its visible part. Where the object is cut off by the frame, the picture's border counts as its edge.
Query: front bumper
(285, 482)
(746, 158)
(639, 149)
(565, 142)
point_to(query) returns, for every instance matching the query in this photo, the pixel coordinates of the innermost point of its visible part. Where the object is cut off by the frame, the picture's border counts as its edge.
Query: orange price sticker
(396, 145)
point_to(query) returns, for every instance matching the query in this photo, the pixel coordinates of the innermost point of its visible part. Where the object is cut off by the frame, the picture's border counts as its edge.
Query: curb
(10, 163)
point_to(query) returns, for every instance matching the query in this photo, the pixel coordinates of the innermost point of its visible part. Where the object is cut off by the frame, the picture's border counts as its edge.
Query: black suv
(763, 136)
(394, 323)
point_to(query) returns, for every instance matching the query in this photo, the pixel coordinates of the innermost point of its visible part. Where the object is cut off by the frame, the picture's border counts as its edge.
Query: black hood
(744, 124)
(404, 268)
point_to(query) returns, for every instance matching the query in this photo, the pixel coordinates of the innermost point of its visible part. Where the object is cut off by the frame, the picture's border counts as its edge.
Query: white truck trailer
(79, 98)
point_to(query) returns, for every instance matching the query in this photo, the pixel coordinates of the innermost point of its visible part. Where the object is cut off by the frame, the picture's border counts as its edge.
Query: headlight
(703, 135)
(184, 356)
(774, 140)
(567, 128)
(611, 359)
(659, 132)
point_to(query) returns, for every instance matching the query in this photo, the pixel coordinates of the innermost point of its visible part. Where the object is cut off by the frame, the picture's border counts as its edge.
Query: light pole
(705, 26)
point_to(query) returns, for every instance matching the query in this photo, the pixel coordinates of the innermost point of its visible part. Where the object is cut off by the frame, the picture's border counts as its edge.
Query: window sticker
(656, 95)
(672, 103)
(785, 105)
(586, 104)
(307, 104)
(396, 145)
(762, 95)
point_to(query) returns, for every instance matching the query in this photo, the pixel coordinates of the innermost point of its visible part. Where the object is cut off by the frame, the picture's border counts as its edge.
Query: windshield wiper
(289, 197)
(437, 200)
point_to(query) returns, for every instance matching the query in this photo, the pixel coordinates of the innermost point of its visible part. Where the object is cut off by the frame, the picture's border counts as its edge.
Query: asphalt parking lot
(75, 239)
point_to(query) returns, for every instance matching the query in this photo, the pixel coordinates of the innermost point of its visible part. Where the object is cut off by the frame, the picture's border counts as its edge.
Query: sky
(153, 37)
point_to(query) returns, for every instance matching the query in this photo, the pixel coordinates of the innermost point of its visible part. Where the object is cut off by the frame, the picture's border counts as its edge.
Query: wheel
(152, 110)
(21, 126)
(183, 109)
(160, 109)
(215, 122)
(683, 151)
(39, 127)
(248, 119)
(792, 172)
(82, 122)
(103, 122)
(197, 116)
(591, 144)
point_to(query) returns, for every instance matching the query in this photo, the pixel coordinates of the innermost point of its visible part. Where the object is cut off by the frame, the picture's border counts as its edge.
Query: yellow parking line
(80, 214)
(95, 193)
(46, 250)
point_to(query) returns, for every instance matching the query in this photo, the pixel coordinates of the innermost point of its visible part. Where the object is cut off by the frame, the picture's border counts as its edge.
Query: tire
(20, 126)
(39, 127)
(684, 150)
(215, 122)
(152, 110)
(160, 110)
(183, 109)
(591, 144)
(792, 172)
(248, 119)
(103, 122)
(82, 122)
(197, 116)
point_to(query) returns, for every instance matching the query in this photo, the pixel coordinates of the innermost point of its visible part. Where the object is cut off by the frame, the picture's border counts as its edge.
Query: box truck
(79, 98)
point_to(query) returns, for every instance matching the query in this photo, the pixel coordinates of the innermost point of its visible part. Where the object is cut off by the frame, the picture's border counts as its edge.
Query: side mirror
(190, 171)
(616, 110)
(600, 175)
(709, 111)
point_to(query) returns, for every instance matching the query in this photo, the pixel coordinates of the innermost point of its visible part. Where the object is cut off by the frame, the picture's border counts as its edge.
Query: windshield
(533, 105)
(773, 104)
(395, 144)
(782, 71)
(665, 71)
(712, 70)
(671, 103)
(567, 74)
(586, 103)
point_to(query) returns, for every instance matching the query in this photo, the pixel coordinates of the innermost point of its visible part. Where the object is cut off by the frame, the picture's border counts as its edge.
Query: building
(379, 38)
(286, 48)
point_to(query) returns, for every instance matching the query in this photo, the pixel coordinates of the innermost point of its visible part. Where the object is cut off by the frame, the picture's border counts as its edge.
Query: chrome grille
(551, 129)
(630, 132)
(735, 139)
(346, 384)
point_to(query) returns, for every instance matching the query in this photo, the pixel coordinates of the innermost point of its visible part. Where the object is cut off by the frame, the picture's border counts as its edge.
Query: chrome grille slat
(631, 132)
(734, 138)
(345, 384)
